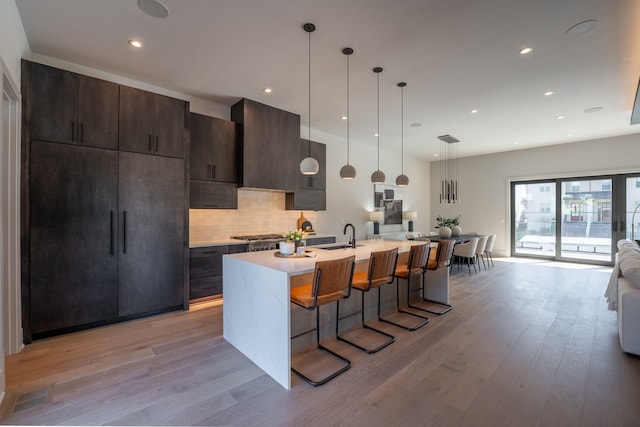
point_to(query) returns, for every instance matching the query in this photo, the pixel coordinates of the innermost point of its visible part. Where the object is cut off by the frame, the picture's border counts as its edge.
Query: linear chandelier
(449, 169)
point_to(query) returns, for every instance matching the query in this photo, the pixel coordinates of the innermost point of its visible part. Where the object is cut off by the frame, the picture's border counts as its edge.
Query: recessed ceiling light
(135, 43)
(525, 50)
(267, 90)
(568, 134)
(516, 142)
(343, 117)
(436, 155)
(415, 125)
(376, 135)
(593, 109)
(582, 28)
(153, 8)
(560, 117)
(474, 111)
(548, 93)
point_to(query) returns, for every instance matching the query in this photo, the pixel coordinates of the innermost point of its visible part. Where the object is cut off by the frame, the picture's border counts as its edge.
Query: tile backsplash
(259, 212)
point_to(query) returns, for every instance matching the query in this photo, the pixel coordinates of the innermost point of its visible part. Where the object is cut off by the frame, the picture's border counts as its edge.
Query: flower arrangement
(447, 222)
(295, 236)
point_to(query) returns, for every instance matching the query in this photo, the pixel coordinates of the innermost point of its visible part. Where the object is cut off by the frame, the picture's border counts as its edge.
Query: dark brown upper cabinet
(70, 108)
(269, 141)
(214, 149)
(151, 123)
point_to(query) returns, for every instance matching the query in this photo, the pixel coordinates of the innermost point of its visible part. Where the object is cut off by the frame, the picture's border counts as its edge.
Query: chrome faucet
(352, 241)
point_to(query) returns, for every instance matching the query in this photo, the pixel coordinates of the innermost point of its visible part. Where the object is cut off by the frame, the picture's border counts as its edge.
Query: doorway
(10, 316)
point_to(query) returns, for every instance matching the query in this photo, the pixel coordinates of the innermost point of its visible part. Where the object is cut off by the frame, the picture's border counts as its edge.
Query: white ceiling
(455, 55)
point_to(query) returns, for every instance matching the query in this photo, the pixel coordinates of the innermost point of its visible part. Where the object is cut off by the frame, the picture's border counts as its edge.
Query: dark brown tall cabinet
(104, 229)
(74, 208)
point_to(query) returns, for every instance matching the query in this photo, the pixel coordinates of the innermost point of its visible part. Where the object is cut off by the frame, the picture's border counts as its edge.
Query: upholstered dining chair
(489, 248)
(482, 243)
(467, 250)
(331, 283)
(382, 265)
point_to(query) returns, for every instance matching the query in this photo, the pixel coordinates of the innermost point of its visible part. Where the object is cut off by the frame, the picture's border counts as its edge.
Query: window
(575, 187)
(545, 188)
(545, 207)
(606, 185)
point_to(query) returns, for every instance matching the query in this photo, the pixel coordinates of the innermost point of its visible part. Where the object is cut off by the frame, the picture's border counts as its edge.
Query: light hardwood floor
(527, 343)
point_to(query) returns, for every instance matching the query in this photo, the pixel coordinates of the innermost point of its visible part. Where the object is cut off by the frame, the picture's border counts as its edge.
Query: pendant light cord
(348, 111)
(402, 129)
(309, 130)
(378, 129)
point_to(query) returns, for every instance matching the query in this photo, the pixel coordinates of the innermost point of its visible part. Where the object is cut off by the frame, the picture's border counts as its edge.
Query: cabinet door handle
(73, 131)
(150, 142)
(156, 143)
(111, 239)
(213, 171)
(208, 171)
(81, 132)
(124, 232)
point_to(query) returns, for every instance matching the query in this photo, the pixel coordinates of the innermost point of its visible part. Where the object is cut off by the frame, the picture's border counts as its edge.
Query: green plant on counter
(295, 235)
(447, 222)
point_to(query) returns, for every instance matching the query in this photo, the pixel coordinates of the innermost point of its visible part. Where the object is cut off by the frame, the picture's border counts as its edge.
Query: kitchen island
(257, 310)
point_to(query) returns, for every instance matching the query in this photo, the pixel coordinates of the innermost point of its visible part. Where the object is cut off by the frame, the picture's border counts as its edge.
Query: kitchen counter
(257, 311)
(218, 242)
(224, 242)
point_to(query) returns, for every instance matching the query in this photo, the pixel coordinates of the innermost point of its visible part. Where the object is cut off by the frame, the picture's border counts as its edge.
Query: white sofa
(623, 295)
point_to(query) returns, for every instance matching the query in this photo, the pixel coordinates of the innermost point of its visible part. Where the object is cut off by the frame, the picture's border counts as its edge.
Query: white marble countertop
(296, 266)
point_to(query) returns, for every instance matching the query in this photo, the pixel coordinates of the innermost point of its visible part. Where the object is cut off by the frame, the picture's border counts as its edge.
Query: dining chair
(382, 265)
(482, 243)
(489, 248)
(466, 250)
(331, 283)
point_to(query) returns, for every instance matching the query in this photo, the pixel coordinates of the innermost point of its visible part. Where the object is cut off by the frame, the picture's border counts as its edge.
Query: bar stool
(416, 265)
(382, 265)
(442, 259)
(418, 256)
(331, 283)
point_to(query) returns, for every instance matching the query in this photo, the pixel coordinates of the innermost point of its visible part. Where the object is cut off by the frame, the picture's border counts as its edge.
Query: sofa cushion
(630, 268)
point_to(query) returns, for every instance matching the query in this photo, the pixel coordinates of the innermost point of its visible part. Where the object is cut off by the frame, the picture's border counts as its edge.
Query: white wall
(352, 200)
(484, 180)
(13, 45)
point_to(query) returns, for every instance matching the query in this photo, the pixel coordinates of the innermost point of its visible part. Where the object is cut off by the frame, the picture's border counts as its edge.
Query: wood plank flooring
(527, 343)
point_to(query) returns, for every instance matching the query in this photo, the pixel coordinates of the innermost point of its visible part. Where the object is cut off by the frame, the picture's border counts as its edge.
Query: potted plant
(448, 226)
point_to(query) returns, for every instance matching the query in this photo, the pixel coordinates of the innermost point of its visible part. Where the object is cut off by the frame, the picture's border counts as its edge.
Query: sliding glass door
(574, 219)
(533, 218)
(586, 220)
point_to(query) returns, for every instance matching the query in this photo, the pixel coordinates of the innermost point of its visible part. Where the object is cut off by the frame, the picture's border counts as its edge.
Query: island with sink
(257, 315)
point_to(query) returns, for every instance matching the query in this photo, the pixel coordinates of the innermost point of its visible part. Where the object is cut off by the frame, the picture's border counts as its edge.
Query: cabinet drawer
(205, 287)
(205, 262)
(236, 249)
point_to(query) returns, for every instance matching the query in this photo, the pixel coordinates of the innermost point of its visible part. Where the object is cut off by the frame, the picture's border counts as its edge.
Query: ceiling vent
(448, 139)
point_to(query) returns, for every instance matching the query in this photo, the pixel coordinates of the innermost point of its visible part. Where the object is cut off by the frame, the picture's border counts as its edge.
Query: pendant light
(378, 176)
(347, 171)
(402, 179)
(309, 165)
